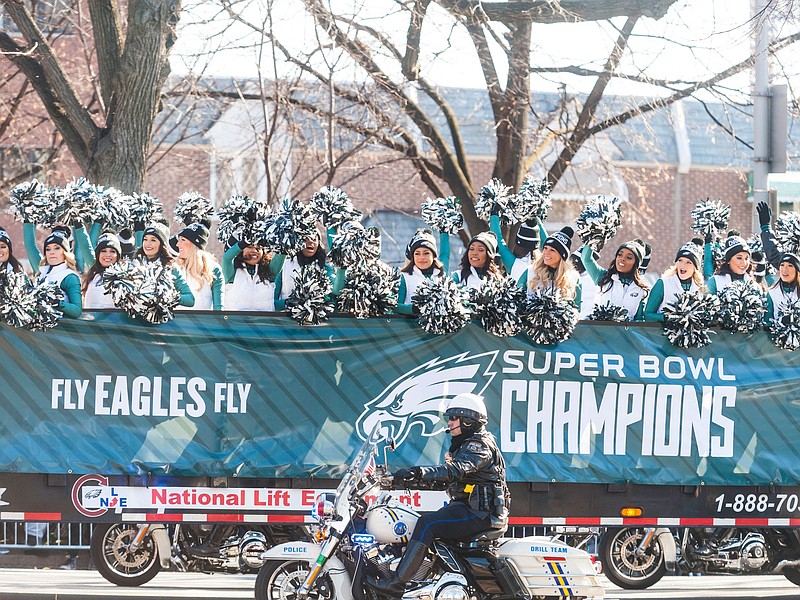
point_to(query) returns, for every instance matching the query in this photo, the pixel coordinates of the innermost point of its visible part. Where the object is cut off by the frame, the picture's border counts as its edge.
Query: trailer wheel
(623, 566)
(792, 574)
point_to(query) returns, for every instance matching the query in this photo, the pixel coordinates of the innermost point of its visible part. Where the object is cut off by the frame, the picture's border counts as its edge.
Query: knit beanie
(108, 240)
(528, 236)
(733, 245)
(158, 231)
(648, 251)
(636, 247)
(4, 237)
(691, 251)
(561, 241)
(792, 259)
(197, 233)
(422, 238)
(61, 237)
(488, 239)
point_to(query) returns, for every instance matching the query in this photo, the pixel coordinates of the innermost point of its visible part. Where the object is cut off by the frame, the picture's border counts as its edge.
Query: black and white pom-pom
(533, 199)
(710, 218)
(30, 201)
(238, 216)
(121, 280)
(46, 316)
(498, 303)
(193, 207)
(787, 232)
(598, 221)
(114, 207)
(785, 330)
(370, 291)
(286, 230)
(688, 317)
(755, 244)
(77, 204)
(548, 318)
(142, 289)
(308, 303)
(609, 312)
(496, 196)
(355, 244)
(17, 302)
(333, 206)
(441, 305)
(145, 208)
(443, 214)
(741, 308)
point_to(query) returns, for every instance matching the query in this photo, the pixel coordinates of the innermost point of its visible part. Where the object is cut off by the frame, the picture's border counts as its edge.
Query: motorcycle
(130, 554)
(638, 557)
(354, 539)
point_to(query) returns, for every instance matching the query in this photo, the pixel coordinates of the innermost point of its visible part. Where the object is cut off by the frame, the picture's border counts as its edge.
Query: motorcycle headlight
(323, 507)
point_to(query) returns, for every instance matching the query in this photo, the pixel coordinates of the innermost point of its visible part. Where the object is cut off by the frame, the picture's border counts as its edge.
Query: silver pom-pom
(495, 197)
(30, 202)
(309, 303)
(354, 244)
(442, 306)
(77, 204)
(144, 290)
(121, 280)
(443, 214)
(47, 297)
(787, 232)
(533, 199)
(145, 208)
(741, 308)
(785, 330)
(498, 303)
(370, 291)
(17, 302)
(333, 207)
(598, 221)
(548, 318)
(238, 218)
(193, 207)
(286, 230)
(609, 312)
(755, 244)
(688, 317)
(113, 207)
(710, 218)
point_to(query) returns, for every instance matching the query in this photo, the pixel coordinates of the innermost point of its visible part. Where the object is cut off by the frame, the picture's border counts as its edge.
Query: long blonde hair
(69, 258)
(564, 278)
(199, 265)
(697, 278)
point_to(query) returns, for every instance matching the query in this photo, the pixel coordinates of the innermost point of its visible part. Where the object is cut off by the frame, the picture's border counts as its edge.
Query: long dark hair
(612, 270)
(492, 270)
(409, 267)
(319, 257)
(96, 269)
(15, 264)
(262, 267)
(163, 256)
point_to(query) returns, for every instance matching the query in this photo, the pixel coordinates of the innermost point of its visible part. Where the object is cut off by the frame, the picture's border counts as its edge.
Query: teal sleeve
(542, 234)
(708, 261)
(217, 291)
(506, 256)
(187, 297)
(711, 284)
(654, 300)
(456, 277)
(339, 281)
(94, 232)
(578, 294)
(228, 270)
(73, 305)
(444, 251)
(139, 237)
(276, 263)
(329, 233)
(592, 268)
(278, 288)
(29, 237)
(770, 311)
(403, 308)
(522, 282)
(771, 279)
(639, 316)
(84, 245)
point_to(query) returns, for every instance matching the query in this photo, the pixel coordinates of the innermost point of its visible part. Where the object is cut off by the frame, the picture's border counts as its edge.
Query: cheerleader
(8, 262)
(621, 284)
(199, 268)
(478, 261)
(785, 289)
(106, 252)
(587, 286)
(735, 264)
(312, 252)
(422, 262)
(250, 278)
(683, 276)
(58, 266)
(528, 239)
(553, 269)
(155, 248)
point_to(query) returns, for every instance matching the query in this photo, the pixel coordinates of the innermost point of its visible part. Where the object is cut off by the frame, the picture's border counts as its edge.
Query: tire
(280, 580)
(621, 564)
(792, 574)
(109, 549)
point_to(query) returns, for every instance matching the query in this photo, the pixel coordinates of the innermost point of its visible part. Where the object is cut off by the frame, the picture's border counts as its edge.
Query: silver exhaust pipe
(786, 563)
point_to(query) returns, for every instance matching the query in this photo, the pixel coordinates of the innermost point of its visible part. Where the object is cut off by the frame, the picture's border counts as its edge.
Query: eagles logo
(417, 397)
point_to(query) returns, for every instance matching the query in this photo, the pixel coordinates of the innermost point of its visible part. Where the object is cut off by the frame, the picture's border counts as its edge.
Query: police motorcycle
(638, 557)
(354, 540)
(130, 554)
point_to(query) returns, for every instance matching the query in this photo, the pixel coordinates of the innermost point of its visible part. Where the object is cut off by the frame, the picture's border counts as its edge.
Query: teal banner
(259, 396)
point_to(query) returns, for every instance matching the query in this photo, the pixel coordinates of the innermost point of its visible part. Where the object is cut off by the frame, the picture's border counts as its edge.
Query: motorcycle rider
(475, 475)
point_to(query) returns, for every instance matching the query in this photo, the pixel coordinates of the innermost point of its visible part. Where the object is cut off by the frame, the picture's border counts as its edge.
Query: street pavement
(46, 584)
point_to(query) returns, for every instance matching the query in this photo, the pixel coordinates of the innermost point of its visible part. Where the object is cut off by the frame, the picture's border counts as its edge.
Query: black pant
(455, 521)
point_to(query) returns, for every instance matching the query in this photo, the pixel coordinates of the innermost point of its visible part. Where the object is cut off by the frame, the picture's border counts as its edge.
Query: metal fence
(45, 536)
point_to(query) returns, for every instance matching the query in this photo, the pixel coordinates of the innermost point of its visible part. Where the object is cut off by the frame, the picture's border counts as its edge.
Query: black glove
(532, 222)
(764, 213)
(402, 476)
(709, 237)
(138, 226)
(495, 208)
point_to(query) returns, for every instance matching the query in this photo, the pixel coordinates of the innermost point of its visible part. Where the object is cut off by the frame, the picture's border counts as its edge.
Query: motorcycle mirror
(390, 445)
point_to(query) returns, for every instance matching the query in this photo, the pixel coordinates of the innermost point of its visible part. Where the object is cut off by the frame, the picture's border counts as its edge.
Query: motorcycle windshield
(363, 463)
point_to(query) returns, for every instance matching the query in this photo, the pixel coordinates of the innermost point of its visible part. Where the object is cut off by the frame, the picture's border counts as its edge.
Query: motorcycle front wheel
(792, 574)
(623, 566)
(114, 559)
(280, 580)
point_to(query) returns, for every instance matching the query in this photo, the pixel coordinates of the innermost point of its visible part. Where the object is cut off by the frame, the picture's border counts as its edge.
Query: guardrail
(45, 536)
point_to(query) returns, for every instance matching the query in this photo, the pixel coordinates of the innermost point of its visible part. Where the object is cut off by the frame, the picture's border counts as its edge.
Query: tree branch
(107, 33)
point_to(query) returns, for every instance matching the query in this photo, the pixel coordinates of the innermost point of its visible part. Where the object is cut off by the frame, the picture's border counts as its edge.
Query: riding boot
(210, 547)
(408, 566)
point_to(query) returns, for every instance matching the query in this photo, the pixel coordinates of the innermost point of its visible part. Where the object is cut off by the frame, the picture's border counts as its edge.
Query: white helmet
(470, 408)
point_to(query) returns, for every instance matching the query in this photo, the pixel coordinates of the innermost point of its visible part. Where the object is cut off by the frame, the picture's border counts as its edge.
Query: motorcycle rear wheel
(113, 559)
(280, 580)
(792, 574)
(621, 564)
